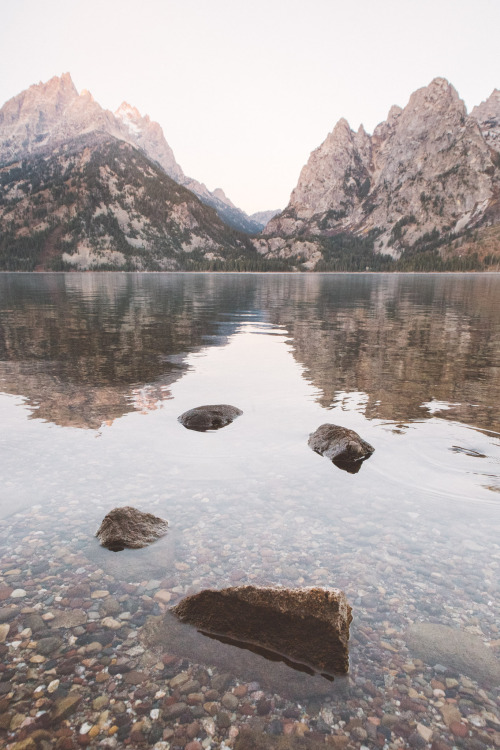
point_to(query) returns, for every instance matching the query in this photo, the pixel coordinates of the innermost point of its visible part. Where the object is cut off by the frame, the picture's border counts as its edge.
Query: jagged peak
(438, 89)
(220, 194)
(58, 90)
(85, 94)
(342, 124)
(127, 112)
(126, 109)
(341, 131)
(440, 82)
(488, 108)
(394, 112)
(64, 81)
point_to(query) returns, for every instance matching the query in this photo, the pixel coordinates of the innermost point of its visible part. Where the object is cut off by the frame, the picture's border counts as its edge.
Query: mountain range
(82, 187)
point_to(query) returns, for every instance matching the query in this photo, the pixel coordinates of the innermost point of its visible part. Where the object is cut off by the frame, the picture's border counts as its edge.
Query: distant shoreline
(265, 273)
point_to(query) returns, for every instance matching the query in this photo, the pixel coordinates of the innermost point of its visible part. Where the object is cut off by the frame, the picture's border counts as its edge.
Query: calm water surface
(94, 371)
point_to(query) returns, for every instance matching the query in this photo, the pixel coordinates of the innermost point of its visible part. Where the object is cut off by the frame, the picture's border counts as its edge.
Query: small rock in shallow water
(64, 707)
(129, 527)
(344, 447)
(18, 593)
(48, 645)
(4, 632)
(211, 417)
(7, 613)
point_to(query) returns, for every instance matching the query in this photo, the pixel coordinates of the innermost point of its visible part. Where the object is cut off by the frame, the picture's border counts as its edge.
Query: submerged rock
(211, 417)
(166, 634)
(344, 447)
(129, 527)
(252, 739)
(306, 626)
(455, 649)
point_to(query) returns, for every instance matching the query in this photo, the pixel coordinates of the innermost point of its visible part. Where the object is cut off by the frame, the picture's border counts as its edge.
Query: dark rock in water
(129, 527)
(306, 626)
(251, 739)
(166, 634)
(456, 649)
(48, 645)
(211, 417)
(345, 448)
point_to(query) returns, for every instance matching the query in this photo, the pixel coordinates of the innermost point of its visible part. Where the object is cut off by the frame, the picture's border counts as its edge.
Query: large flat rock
(456, 649)
(167, 634)
(307, 626)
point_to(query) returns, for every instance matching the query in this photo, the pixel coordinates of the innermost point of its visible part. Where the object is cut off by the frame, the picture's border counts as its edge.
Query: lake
(95, 370)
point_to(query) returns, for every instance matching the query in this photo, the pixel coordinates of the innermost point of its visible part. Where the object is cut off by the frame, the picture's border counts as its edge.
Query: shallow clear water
(94, 371)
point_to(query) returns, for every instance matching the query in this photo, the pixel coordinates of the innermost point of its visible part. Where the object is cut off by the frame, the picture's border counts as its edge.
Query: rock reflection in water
(153, 562)
(166, 634)
(85, 350)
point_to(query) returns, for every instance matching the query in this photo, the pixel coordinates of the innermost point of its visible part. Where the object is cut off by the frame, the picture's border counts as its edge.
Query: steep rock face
(488, 116)
(426, 171)
(99, 203)
(149, 136)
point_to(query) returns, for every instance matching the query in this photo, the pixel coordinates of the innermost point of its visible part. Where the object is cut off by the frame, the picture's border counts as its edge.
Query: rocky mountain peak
(130, 114)
(426, 170)
(149, 137)
(50, 97)
(48, 114)
(487, 114)
(220, 194)
(438, 97)
(488, 109)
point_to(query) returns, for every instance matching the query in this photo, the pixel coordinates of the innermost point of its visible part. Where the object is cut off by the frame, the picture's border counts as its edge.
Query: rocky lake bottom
(89, 655)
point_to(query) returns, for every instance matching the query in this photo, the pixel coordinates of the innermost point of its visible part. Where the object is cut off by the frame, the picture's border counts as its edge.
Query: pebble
(230, 701)
(4, 632)
(110, 622)
(163, 596)
(18, 593)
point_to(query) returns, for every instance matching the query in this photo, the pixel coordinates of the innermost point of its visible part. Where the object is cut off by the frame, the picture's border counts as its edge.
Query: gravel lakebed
(76, 669)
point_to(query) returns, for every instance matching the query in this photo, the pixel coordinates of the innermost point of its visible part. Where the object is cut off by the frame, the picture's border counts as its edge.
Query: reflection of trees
(85, 348)
(401, 340)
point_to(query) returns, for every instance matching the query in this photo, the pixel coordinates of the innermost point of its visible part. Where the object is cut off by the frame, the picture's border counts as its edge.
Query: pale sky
(244, 91)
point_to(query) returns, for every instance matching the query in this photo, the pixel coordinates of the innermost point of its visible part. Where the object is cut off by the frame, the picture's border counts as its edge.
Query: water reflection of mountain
(401, 341)
(88, 348)
(85, 349)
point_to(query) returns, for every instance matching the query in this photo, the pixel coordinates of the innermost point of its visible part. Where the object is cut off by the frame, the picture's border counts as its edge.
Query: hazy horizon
(243, 97)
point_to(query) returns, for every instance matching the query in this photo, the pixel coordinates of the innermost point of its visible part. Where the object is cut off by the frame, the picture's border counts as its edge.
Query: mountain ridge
(47, 114)
(429, 171)
(422, 192)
